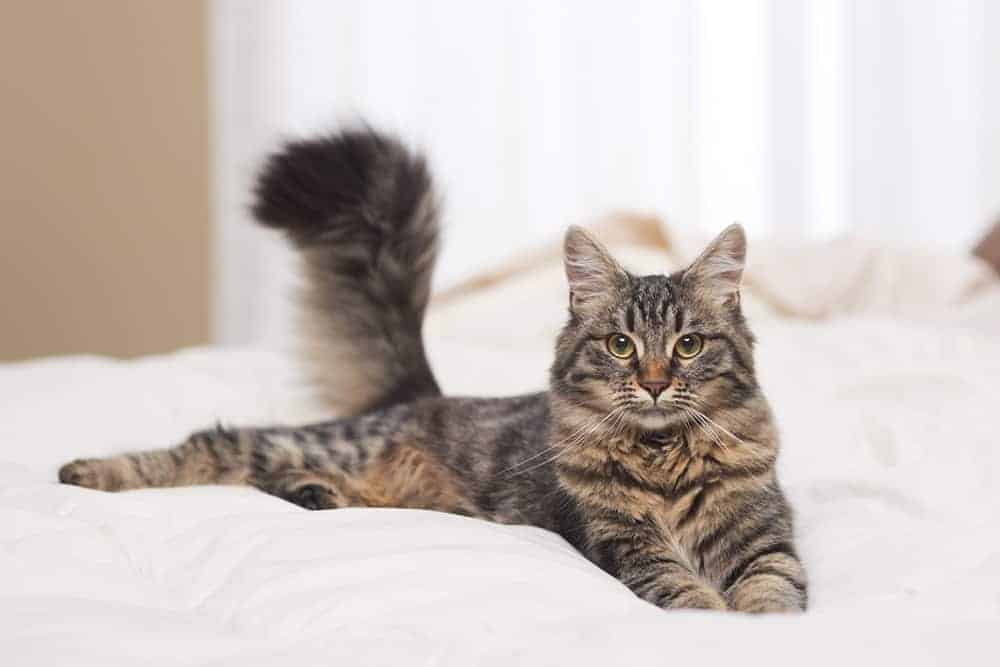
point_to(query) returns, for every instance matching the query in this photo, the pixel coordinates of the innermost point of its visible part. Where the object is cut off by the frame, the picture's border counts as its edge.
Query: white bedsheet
(890, 456)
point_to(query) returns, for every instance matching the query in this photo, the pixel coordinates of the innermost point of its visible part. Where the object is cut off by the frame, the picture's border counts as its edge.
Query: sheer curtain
(799, 118)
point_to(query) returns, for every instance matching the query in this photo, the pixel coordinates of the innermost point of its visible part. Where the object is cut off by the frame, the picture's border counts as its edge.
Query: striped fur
(362, 212)
(657, 465)
(683, 482)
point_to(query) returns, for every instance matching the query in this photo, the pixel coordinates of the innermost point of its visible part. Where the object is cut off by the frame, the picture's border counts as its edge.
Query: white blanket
(889, 413)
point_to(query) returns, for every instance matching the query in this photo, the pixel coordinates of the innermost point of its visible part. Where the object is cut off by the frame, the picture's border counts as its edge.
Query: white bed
(885, 381)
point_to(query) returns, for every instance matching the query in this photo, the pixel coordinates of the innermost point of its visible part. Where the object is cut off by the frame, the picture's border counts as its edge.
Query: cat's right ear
(592, 272)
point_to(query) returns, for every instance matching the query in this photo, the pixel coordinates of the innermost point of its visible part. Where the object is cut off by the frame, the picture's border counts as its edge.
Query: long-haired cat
(652, 452)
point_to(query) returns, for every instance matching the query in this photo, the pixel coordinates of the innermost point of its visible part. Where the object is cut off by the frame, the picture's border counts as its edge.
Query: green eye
(688, 346)
(620, 345)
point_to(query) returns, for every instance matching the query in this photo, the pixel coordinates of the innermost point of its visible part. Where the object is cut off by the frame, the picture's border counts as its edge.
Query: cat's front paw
(82, 472)
(701, 597)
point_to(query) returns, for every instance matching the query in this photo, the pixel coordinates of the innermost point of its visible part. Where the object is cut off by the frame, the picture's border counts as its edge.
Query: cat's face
(649, 352)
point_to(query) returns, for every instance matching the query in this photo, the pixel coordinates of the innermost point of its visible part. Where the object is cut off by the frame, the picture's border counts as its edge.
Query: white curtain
(799, 118)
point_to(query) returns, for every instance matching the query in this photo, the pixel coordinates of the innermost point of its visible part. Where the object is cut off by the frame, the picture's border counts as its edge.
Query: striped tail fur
(361, 210)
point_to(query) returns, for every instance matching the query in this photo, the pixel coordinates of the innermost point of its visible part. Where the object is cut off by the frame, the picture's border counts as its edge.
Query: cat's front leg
(769, 579)
(672, 590)
(655, 570)
(670, 584)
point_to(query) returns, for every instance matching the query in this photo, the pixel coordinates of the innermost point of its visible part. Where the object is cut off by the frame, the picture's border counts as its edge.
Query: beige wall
(104, 195)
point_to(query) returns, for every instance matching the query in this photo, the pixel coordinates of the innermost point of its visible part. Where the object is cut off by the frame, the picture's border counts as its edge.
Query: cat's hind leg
(285, 462)
(380, 474)
(297, 465)
(217, 456)
(322, 466)
(355, 462)
(310, 490)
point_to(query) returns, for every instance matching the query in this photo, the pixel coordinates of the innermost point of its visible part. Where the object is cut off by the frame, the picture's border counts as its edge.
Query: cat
(652, 452)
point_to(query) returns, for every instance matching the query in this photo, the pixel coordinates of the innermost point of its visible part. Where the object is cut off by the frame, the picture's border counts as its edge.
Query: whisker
(547, 449)
(705, 428)
(723, 428)
(575, 438)
(706, 425)
(578, 442)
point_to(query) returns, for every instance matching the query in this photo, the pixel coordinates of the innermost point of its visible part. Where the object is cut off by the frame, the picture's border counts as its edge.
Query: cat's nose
(654, 387)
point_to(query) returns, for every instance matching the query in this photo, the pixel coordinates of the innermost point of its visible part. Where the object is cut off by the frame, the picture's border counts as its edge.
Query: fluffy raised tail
(362, 211)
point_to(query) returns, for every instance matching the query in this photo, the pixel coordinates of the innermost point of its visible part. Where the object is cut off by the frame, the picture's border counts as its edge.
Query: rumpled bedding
(882, 365)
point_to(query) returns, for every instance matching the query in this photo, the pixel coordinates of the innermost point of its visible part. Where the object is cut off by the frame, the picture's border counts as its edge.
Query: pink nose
(655, 388)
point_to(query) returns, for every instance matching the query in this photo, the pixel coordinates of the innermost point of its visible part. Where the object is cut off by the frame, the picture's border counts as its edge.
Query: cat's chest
(667, 481)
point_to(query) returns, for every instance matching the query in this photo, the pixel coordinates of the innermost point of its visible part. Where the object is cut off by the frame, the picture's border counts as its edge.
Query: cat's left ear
(718, 271)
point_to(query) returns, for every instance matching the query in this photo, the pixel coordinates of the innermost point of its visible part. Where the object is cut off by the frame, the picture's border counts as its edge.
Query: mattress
(888, 408)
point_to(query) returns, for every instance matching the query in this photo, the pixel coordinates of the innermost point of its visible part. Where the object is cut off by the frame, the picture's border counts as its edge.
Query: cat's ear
(719, 269)
(592, 272)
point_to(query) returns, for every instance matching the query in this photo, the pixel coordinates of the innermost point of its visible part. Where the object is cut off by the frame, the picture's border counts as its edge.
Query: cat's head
(650, 352)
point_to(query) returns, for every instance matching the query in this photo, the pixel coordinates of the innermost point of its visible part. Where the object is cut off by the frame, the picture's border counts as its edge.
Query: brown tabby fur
(658, 467)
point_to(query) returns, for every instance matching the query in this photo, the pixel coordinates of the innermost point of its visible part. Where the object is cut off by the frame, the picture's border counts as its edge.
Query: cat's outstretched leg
(368, 461)
(216, 456)
(295, 465)
(305, 466)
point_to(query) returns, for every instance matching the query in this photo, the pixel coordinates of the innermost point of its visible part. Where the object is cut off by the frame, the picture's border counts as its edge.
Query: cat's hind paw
(314, 497)
(82, 472)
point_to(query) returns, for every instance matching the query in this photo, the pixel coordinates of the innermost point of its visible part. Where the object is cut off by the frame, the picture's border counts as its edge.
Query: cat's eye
(620, 345)
(688, 346)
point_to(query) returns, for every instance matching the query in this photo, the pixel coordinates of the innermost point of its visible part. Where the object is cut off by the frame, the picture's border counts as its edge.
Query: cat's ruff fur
(674, 492)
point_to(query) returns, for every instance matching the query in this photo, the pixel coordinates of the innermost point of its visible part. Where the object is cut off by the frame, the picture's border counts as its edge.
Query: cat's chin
(656, 418)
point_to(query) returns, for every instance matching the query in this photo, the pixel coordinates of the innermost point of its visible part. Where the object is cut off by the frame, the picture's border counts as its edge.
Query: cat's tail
(362, 212)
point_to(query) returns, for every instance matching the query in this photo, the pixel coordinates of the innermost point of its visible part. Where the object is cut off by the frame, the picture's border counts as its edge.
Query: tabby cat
(652, 452)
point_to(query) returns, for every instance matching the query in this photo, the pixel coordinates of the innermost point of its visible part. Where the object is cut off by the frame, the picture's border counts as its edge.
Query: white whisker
(723, 429)
(707, 425)
(573, 442)
(549, 448)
